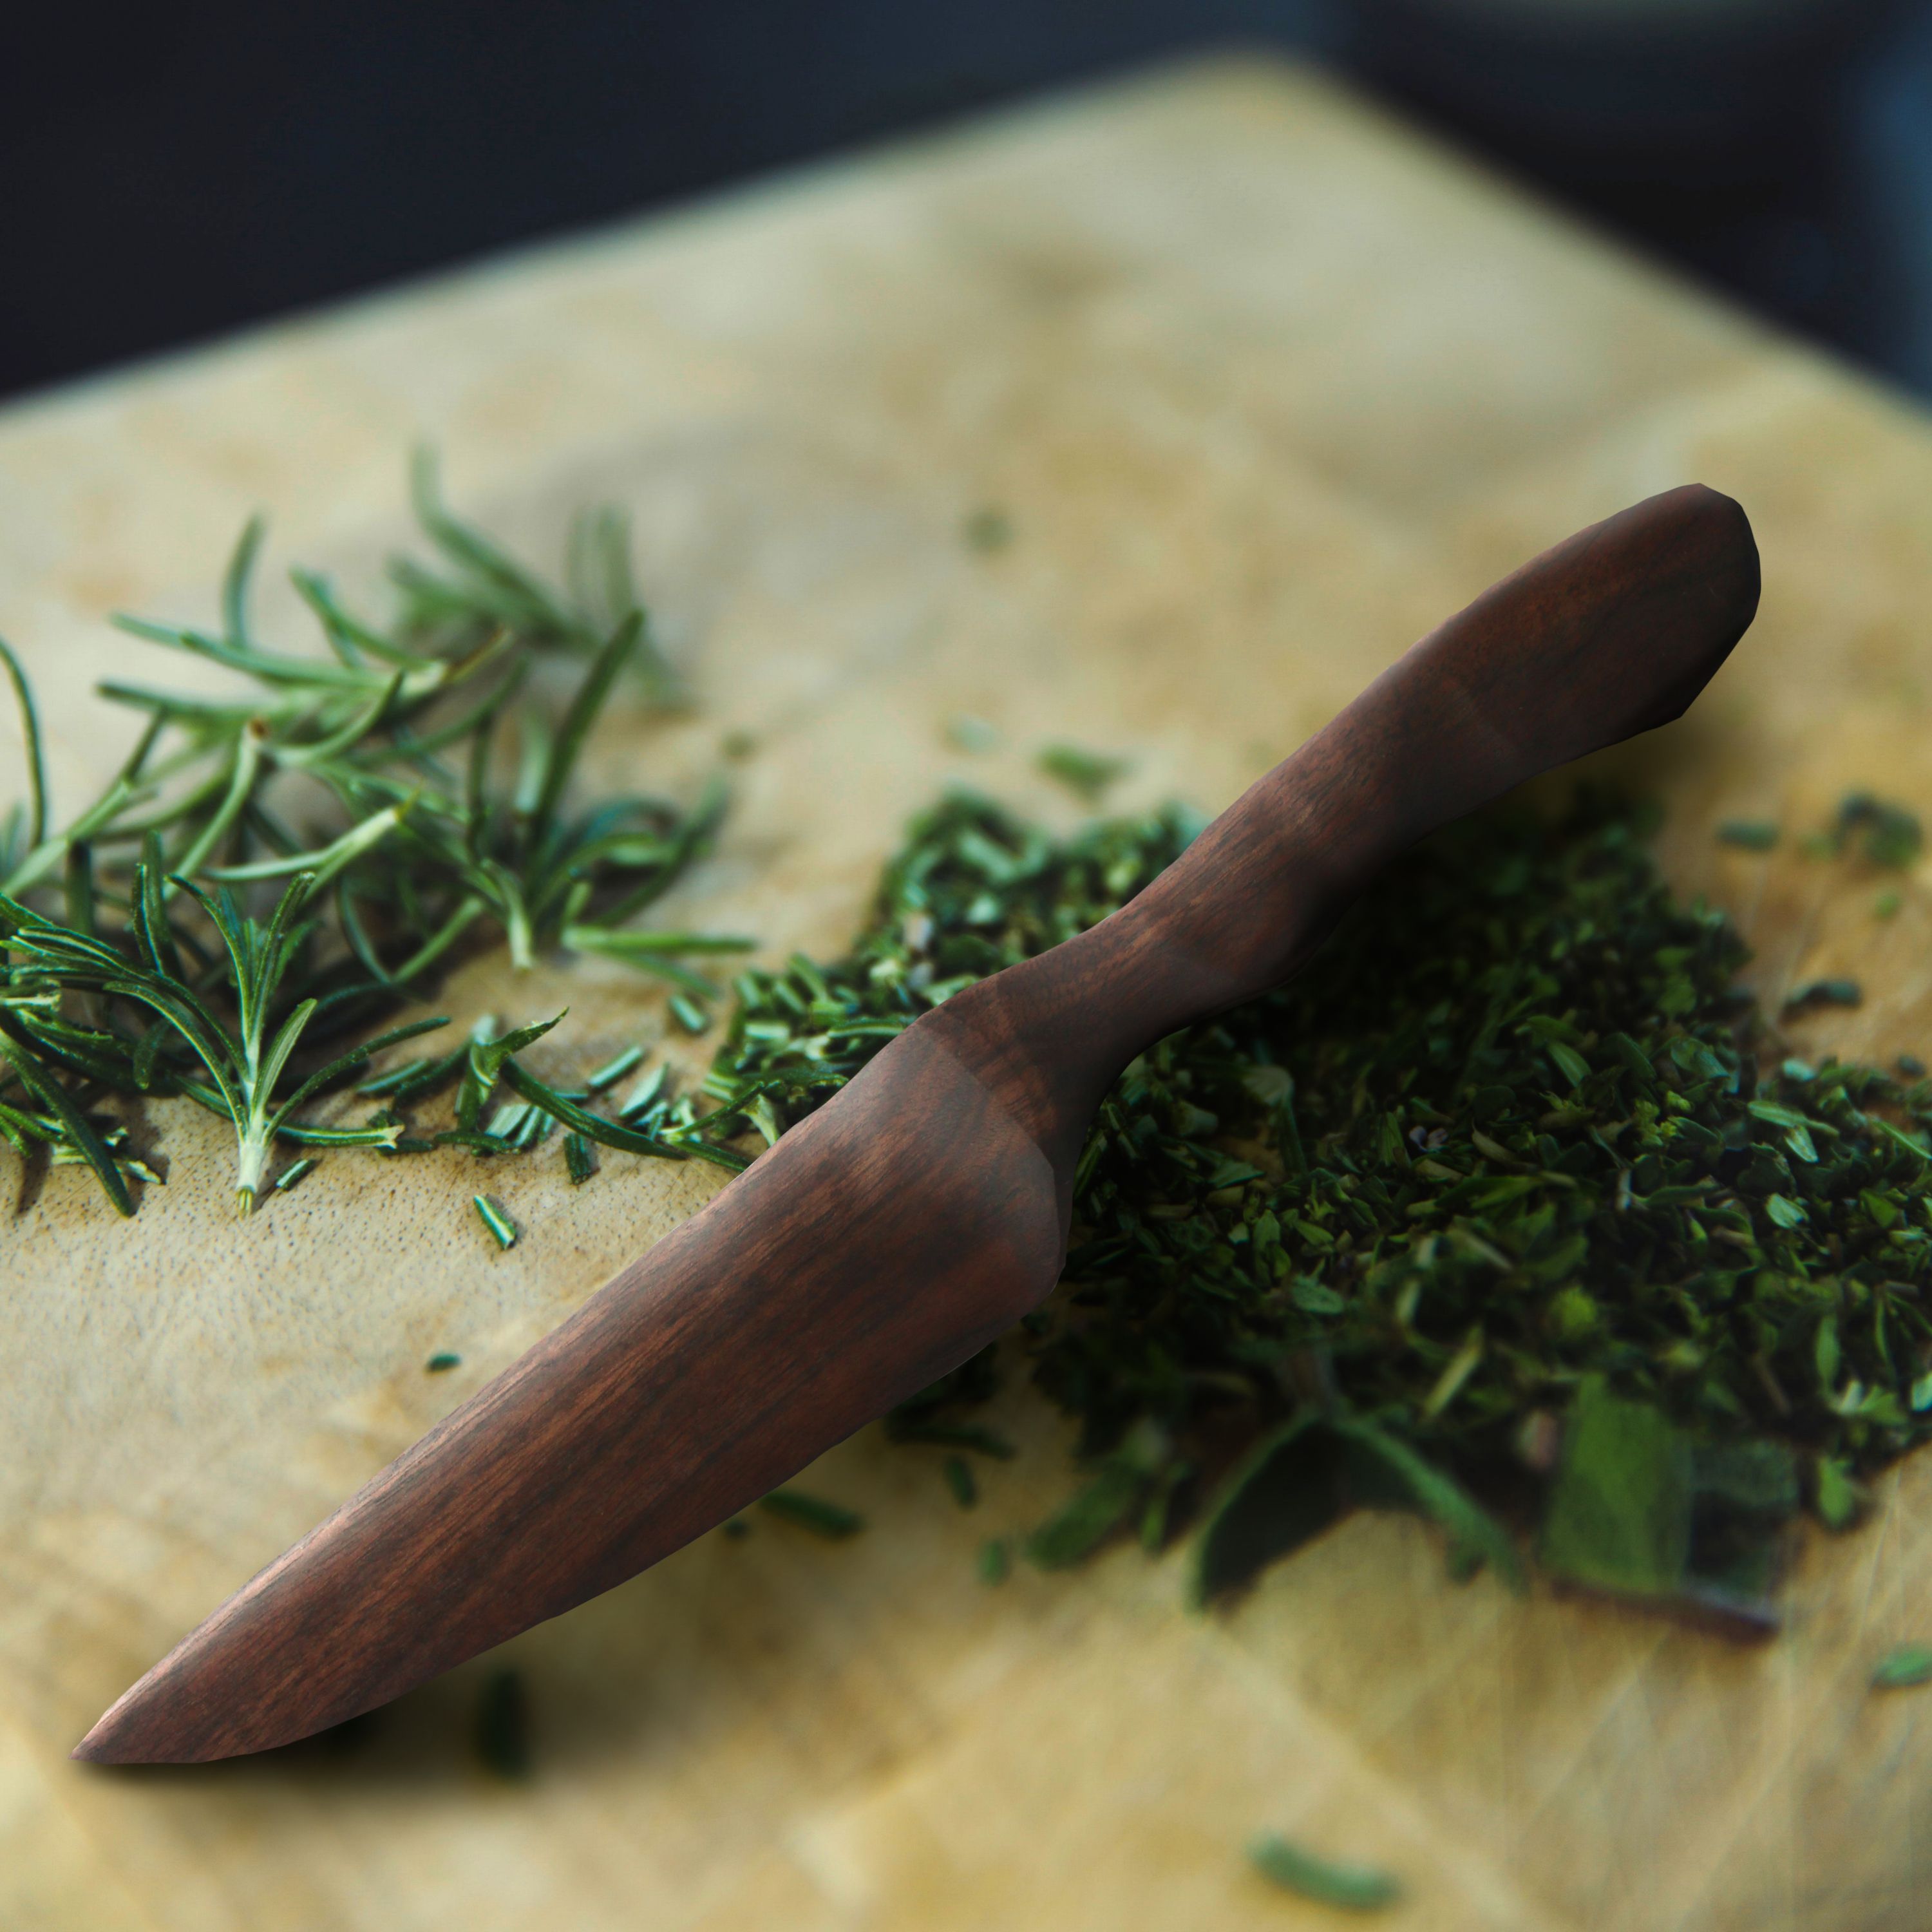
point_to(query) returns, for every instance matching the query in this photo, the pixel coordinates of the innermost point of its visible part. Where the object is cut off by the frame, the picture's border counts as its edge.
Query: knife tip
(114, 1739)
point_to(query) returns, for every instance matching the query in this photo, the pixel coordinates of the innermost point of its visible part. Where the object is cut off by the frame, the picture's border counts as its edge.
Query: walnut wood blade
(926, 1209)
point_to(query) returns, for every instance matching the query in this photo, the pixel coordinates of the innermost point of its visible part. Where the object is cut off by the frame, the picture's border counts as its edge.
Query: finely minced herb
(1512, 1172)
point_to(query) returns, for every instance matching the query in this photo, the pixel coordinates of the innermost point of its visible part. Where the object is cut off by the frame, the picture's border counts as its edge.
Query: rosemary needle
(502, 1229)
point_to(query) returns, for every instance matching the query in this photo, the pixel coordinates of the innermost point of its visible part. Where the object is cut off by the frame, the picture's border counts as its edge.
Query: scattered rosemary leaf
(831, 1520)
(1286, 1491)
(1086, 774)
(1087, 1520)
(1824, 993)
(1349, 1887)
(613, 1070)
(1889, 834)
(961, 1480)
(689, 1013)
(441, 1362)
(295, 1173)
(1618, 1517)
(988, 529)
(1836, 1499)
(1752, 835)
(502, 1229)
(1296, 1482)
(503, 1725)
(1904, 1669)
(994, 1563)
(578, 1158)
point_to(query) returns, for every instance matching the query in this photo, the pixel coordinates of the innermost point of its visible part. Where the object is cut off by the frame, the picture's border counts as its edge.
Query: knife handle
(1611, 633)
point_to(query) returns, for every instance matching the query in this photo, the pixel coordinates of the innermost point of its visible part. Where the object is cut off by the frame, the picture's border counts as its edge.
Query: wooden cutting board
(1264, 384)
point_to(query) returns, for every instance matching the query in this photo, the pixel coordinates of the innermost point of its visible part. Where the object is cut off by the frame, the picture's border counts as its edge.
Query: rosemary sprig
(406, 792)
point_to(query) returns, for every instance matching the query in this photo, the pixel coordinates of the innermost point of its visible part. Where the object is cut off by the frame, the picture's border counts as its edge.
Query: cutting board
(1264, 384)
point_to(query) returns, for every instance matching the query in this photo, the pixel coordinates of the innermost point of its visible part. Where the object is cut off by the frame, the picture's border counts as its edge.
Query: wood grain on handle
(924, 1210)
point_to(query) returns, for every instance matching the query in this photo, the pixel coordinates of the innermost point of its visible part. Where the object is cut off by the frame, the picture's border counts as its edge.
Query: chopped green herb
(988, 529)
(502, 1229)
(1753, 834)
(831, 1520)
(1888, 834)
(1086, 774)
(689, 1013)
(578, 1158)
(1836, 1496)
(613, 1071)
(961, 1480)
(503, 1725)
(995, 1562)
(295, 1173)
(1824, 993)
(1512, 1132)
(1351, 1887)
(1904, 1669)
(1619, 1516)
(1295, 1482)
(441, 1362)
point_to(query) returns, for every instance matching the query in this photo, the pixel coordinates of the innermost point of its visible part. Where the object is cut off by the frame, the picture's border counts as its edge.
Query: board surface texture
(1265, 386)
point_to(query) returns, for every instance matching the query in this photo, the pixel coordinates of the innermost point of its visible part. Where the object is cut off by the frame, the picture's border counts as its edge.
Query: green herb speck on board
(1086, 774)
(833, 1521)
(1904, 1669)
(988, 529)
(502, 1229)
(1349, 1888)
(503, 1725)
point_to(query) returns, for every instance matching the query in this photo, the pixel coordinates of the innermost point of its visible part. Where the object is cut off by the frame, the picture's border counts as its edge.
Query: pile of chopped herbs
(1511, 1208)
(274, 869)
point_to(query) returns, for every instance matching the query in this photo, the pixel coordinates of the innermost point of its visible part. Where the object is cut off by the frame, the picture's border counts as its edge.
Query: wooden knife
(921, 1213)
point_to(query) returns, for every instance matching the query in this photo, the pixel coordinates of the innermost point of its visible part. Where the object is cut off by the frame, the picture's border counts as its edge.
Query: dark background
(170, 175)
